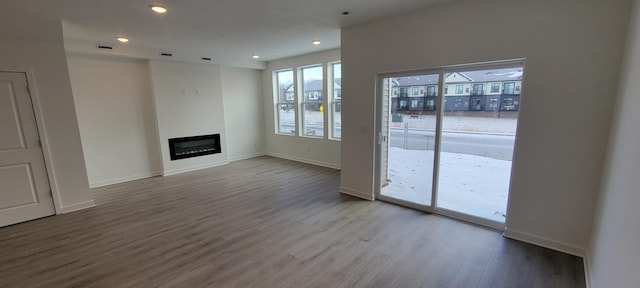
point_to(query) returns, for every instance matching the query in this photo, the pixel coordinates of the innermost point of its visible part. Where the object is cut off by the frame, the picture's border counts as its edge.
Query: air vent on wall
(106, 47)
(206, 58)
(166, 54)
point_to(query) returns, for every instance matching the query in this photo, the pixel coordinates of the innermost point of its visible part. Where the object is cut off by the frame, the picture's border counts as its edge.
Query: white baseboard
(304, 160)
(544, 242)
(76, 207)
(193, 168)
(244, 157)
(356, 193)
(101, 183)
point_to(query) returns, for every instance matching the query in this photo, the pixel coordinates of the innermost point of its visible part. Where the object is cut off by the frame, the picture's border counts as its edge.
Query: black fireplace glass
(187, 147)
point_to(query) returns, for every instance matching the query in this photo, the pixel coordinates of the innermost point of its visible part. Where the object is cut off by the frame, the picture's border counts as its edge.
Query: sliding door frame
(382, 139)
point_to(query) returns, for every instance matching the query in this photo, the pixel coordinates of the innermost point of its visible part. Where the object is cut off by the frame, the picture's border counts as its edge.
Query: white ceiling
(232, 29)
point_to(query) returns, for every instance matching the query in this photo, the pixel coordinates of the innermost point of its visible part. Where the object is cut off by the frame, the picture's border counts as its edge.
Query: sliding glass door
(408, 138)
(447, 138)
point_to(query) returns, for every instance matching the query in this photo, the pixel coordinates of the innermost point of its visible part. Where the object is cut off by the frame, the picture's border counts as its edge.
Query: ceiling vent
(105, 47)
(206, 58)
(166, 54)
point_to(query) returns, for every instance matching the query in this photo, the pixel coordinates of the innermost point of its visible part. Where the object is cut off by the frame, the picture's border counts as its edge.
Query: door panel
(21, 187)
(10, 128)
(408, 133)
(476, 149)
(24, 187)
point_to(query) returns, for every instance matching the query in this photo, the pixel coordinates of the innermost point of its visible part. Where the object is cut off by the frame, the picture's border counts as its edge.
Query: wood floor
(265, 222)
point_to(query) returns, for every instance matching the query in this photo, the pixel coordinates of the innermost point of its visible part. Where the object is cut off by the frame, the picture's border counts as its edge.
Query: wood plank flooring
(265, 222)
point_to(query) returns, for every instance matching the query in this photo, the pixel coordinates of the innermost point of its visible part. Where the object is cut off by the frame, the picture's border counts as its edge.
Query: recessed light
(255, 56)
(158, 9)
(315, 42)
(122, 39)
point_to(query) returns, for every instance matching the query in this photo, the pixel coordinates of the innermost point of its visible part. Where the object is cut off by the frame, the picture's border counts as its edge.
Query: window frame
(508, 88)
(329, 98)
(303, 103)
(478, 92)
(495, 85)
(278, 105)
(457, 103)
(432, 91)
(334, 101)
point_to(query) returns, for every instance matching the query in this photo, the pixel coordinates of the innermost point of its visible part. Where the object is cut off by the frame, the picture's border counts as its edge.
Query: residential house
(490, 91)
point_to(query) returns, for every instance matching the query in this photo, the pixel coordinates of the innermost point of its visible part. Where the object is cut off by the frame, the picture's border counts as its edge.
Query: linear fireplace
(187, 147)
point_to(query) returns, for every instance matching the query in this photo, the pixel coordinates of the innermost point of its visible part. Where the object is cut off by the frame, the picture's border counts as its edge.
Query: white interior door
(25, 193)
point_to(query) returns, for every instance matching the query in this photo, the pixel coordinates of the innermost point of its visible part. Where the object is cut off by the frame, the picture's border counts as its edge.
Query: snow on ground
(469, 184)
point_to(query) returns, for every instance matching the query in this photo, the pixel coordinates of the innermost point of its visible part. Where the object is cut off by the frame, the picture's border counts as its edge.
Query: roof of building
(498, 75)
(492, 75)
(417, 80)
(316, 85)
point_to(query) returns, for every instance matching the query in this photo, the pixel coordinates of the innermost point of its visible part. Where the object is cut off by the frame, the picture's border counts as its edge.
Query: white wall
(117, 123)
(573, 50)
(243, 112)
(615, 250)
(188, 100)
(47, 64)
(321, 152)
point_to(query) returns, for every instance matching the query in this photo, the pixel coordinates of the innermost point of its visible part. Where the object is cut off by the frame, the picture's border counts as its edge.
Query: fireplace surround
(194, 146)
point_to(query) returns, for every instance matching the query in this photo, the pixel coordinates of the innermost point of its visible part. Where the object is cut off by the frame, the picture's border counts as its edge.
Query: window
(403, 92)
(457, 103)
(459, 89)
(477, 89)
(414, 104)
(403, 105)
(493, 104)
(509, 88)
(446, 90)
(336, 100)
(285, 102)
(495, 87)
(431, 91)
(415, 91)
(302, 96)
(312, 108)
(507, 104)
(431, 104)
(517, 88)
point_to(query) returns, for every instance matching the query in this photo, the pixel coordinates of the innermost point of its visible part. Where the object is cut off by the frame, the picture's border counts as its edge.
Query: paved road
(493, 146)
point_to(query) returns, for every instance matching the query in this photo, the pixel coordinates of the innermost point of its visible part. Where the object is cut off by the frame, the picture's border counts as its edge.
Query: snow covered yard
(469, 184)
